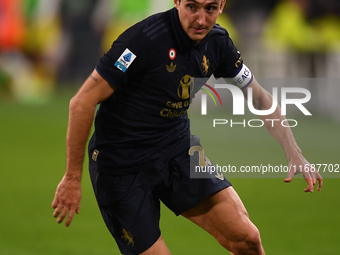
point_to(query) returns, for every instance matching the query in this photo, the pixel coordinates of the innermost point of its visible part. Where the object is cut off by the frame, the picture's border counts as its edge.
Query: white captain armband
(242, 79)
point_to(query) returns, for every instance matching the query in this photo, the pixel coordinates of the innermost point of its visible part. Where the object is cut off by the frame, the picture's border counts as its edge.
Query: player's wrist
(294, 155)
(71, 175)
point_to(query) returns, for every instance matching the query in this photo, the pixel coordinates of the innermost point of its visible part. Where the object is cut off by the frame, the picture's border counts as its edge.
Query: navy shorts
(130, 204)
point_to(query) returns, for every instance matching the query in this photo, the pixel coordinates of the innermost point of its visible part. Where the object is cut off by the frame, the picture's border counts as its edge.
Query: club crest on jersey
(205, 64)
(125, 60)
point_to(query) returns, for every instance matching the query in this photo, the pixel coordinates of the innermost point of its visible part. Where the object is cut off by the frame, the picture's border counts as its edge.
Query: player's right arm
(81, 113)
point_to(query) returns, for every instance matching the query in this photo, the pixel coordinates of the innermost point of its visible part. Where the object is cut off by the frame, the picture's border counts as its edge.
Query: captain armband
(242, 79)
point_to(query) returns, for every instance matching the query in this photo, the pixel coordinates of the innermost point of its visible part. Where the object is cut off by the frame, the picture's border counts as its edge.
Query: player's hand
(311, 175)
(67, 200)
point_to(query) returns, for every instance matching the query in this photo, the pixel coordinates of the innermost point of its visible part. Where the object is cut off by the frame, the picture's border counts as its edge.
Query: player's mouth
(198, 30)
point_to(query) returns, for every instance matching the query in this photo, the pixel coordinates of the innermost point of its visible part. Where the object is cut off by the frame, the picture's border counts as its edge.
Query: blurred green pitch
(32, 142)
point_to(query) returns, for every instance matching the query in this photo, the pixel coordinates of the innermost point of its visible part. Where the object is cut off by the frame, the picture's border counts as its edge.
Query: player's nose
(200, 17)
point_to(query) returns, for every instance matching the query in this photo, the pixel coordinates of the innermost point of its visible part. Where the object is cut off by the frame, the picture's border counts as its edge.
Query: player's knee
(251, 244)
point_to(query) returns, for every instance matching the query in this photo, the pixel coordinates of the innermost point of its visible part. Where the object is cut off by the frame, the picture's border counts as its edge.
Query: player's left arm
(262, 100)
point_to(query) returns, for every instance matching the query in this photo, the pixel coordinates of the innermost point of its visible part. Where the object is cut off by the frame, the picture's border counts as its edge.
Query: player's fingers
(310, 181)
(54, 203)
(320, 180)
(290, 175)
(62, 214)
(57, 211)
(69, 217)
(313, 173)
(288, 179)
(320, 184)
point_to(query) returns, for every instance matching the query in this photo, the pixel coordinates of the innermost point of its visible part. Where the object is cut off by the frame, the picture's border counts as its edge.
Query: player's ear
(222, 5)
(176, 3)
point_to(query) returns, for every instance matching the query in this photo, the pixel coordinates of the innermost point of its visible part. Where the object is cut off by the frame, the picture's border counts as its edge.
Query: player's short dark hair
(180, 1)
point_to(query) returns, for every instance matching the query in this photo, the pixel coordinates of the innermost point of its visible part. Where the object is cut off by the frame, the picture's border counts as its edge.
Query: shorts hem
(214, 190)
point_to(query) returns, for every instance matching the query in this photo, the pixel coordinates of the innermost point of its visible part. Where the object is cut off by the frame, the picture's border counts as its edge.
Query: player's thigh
(224, 216)
(158, 248)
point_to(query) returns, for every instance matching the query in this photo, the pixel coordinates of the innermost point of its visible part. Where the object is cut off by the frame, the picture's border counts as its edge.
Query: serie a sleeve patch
(125, 60)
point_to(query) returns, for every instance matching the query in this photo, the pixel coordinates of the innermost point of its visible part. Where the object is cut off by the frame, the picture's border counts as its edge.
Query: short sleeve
(125, 58)
(231, 66)
(230, 62)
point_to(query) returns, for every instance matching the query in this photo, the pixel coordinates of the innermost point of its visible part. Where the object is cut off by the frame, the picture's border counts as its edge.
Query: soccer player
(140, 150)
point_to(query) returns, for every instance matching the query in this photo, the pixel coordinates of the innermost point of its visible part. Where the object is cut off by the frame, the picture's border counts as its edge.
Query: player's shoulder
(220, 40)
(217, 33)
(157, 25)
(152, 26)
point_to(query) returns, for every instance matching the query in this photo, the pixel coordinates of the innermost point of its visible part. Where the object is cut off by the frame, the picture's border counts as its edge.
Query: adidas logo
(171, 68)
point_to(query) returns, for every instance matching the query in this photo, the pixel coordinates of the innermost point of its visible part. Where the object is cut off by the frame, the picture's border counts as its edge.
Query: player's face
(198, 17)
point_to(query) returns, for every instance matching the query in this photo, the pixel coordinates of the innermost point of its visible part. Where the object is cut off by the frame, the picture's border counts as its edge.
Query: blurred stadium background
(49, 47)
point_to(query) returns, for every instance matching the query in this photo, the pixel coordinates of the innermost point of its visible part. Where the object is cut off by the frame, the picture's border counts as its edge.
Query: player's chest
(173, 68)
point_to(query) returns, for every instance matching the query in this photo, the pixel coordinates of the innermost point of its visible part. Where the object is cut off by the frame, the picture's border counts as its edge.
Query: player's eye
(211, 9)
(192, 7)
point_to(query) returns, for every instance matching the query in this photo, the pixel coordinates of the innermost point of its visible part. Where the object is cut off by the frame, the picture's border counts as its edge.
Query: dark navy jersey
(153, 65)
